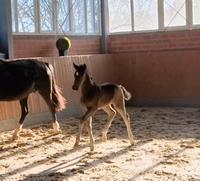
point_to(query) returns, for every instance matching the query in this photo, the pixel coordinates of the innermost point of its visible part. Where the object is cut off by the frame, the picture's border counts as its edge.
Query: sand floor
(167, 148)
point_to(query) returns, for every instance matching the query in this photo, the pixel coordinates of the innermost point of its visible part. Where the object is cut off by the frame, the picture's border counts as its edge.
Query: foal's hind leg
(24, 112)
(47, 97)
(111, 114)
(120, 107)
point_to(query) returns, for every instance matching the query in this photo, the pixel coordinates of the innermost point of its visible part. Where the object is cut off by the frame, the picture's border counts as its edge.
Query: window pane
(46, 15)
(174, 13)
(26, 15)
(196, 11)
(119, 15)
(78, 16)
(96, 16)
(145, 14)
(13, 15)
(90, 16)
(63, 16)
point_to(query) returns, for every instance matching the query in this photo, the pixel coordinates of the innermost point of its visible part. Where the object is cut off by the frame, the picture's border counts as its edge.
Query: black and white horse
(21, 77)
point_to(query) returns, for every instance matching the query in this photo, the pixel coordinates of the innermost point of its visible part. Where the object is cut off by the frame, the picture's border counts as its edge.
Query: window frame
(55, 32)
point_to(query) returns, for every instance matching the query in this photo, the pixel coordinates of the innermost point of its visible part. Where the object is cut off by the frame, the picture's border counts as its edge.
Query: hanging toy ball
(63, 44)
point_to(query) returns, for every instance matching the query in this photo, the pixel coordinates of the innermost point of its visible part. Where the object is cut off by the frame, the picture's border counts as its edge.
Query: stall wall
(157, 78)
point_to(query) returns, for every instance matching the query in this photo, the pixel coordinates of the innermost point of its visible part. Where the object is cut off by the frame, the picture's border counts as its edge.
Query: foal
(20, 78)
(109, 97)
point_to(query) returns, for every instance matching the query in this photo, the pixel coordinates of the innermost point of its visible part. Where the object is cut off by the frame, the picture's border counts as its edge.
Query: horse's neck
(87, 84)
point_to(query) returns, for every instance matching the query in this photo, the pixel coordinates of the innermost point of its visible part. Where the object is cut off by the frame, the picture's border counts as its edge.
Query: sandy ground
(167, 148)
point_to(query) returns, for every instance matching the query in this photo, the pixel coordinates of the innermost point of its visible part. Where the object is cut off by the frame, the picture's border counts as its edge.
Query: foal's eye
(76, 74)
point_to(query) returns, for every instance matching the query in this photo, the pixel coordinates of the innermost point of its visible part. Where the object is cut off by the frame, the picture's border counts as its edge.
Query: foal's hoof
(14, 137)
(91, 148)
(76, 145)
(59, 131)
(104, 139)
(132, 142)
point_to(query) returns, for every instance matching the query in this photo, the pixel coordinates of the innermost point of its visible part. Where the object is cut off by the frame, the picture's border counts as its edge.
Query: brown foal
(108, 97)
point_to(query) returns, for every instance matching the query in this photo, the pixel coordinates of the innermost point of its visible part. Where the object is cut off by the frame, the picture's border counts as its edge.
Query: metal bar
(161, 15)
(6, 28)
(104, 26)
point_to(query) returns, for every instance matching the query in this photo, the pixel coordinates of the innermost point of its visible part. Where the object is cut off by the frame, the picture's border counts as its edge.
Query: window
(96, 16)
(153, 15)
(196, 12)
(56, 16)
(63, 16)
(119, 15)
(46, 15)
(26, 15)
(174, 13)
(78, 16)
(13, 4)
(90, 12)
(145, 15)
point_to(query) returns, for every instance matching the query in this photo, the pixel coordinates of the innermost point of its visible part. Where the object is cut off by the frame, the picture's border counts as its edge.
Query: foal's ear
(84, 65)
(75, 66)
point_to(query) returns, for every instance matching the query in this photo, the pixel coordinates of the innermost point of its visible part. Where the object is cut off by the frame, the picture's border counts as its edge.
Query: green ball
(63, 43)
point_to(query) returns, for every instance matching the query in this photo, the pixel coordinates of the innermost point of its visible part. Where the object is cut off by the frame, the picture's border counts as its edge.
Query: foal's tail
(58, 100)
(127, 95)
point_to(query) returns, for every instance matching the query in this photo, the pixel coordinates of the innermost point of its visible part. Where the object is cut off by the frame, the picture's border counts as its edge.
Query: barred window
(56, 16)
(78, 16)
(196, 12)
(174, 13)
(46, 15)
(119, 15)
(153, 15)
(26, 15)
(145, 15)
(63, 16)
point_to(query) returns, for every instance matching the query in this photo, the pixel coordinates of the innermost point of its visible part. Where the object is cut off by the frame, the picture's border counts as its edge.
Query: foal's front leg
(89, 127)
(90, 112)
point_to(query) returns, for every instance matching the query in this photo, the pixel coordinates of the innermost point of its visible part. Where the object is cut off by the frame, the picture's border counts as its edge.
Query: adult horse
(21, 77)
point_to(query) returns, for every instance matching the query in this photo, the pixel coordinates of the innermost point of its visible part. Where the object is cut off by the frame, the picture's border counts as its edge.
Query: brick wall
(156, 41)
(44, 45)
(159, 68)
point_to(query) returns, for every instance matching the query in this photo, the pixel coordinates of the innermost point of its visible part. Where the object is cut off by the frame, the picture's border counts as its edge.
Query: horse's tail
(58, 100)
(127, 95)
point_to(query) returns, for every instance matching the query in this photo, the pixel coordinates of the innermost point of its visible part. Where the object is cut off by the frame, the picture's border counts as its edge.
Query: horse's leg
(120, 107)
(89, 113)
(89, 127)
(24, 112)
(47, 97)
(111, 114)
